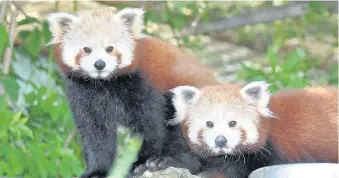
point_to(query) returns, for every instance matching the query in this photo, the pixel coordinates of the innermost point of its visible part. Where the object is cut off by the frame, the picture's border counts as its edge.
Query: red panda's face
(97, 43)
(223, 126)
(222, 119)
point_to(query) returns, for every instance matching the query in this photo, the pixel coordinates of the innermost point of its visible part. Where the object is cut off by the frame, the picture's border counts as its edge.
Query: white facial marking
(87, 63)
(127, 55)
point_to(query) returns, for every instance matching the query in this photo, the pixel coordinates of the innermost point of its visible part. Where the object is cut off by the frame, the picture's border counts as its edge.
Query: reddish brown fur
(57, 54)
(79, 56)
(307, 123)
(164, 64)
(117, 54)
(244, 135)
(184, 130)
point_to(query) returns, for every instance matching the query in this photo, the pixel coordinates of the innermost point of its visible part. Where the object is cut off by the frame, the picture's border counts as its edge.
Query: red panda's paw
(157, 163)
(139, 170)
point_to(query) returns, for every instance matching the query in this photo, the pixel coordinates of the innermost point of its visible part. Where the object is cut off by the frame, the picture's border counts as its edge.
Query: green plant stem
(126, 158)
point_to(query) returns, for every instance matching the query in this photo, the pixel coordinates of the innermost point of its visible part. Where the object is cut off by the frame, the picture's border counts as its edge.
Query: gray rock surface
(170, 172)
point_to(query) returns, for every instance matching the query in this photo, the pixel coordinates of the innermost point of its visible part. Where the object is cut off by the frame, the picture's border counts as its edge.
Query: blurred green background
(37, 134)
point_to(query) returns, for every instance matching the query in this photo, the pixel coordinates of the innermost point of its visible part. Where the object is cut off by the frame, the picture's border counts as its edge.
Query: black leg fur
(100, 106)
(176, 152)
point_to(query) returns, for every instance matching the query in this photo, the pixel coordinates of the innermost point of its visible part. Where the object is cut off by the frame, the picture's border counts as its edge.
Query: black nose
(99, 64)
(220, 141)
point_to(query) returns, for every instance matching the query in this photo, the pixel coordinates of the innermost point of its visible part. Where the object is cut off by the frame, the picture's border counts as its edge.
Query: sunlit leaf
(16, 118)
(66, 152)
(23, 120)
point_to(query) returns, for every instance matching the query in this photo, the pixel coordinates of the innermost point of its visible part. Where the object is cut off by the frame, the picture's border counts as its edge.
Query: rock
(170, 172)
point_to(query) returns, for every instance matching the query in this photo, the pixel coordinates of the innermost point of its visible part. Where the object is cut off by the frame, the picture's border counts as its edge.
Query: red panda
(231, 124)
(164, 64)
(115, 77)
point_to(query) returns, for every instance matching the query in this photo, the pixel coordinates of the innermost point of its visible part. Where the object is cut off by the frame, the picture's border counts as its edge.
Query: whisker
(243, 156)
(238, 159)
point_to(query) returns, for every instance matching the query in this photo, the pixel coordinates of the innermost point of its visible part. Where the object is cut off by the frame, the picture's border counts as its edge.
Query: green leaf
(67, 152)
(77, 169)
(24, 34)
(291, 63)
(4, 38)
(14, 159)
(33, 44)
(11, 87)
(15, 118)
(25, 131)
(272, 58)
(47, 33)
(28, 20)
(4, 167)
(23, 120)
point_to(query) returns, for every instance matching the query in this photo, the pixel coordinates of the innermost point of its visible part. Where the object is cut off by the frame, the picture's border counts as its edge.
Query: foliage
(289, 72)
(36, 122)
(290, 69)
(37, 134)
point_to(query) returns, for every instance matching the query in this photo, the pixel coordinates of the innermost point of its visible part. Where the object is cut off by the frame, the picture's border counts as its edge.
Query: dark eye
(87, 50)
(232, 123)
(209, 124)
(109, 49)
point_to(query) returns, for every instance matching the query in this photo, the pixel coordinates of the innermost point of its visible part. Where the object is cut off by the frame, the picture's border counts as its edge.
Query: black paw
(158, 163)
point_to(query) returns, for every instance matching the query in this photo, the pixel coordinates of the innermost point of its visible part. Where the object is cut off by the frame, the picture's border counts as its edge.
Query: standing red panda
(165, 65)
(235, 129)
(115, 78)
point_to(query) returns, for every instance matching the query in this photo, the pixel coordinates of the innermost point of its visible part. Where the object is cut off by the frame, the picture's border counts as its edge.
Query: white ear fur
(59, 24)
(134, 19)
(257, 93)
(182, 97)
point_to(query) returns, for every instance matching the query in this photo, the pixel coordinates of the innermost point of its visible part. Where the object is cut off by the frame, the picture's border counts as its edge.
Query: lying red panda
(235, 130)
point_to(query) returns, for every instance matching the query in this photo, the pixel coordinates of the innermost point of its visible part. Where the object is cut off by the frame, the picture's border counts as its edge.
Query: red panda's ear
(59, 23)
(133, 18)
(183, 96)
(257, 93)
